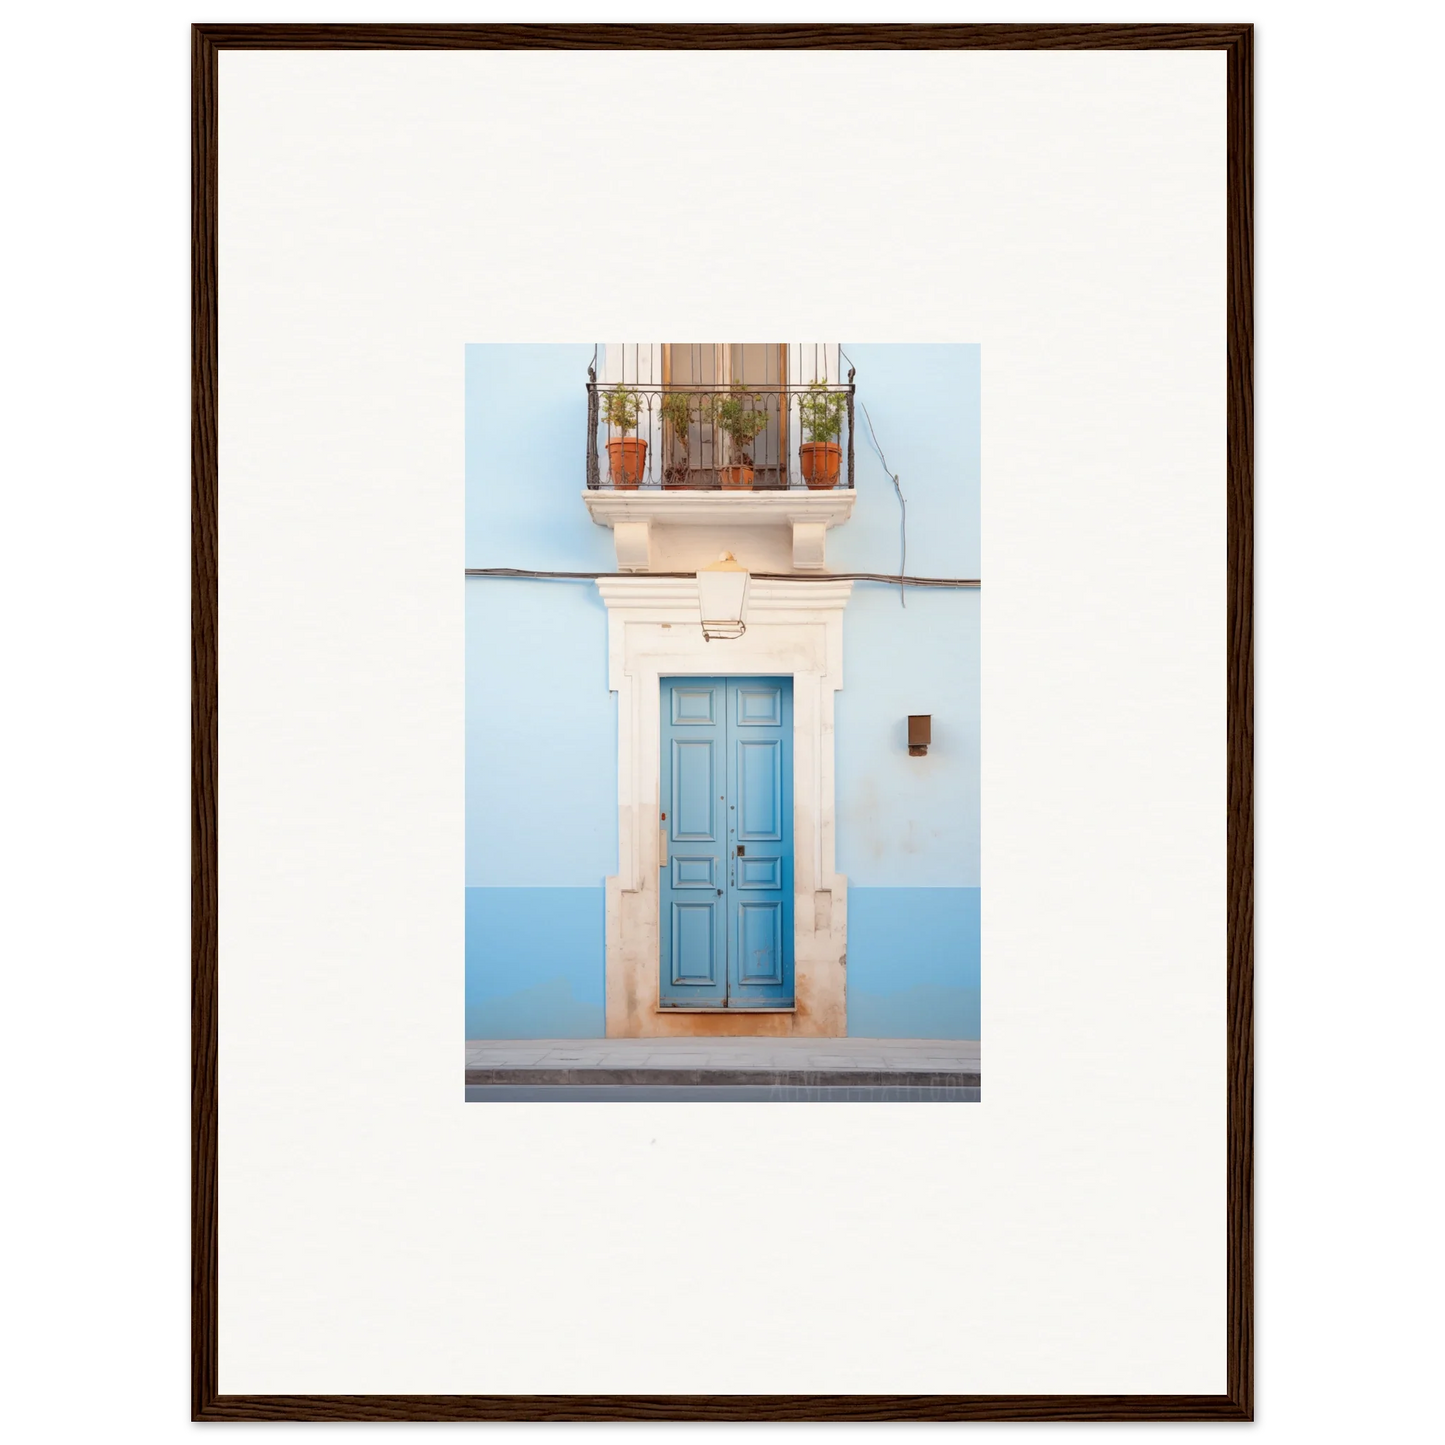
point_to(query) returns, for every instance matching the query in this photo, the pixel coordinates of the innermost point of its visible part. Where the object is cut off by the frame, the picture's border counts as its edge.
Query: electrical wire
(890, 578)
(902, 508)
(897, 488)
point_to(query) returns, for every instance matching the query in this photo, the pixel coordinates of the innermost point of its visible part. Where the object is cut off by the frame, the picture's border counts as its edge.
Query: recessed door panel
(694, 705)
(759, 706)
(760, 791)
(694, 872)
(760, 943)
(760, 872)
(694, 791)
(694, 950)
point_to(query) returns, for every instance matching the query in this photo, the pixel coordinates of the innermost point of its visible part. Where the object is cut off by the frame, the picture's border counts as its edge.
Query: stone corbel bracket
(633, 516)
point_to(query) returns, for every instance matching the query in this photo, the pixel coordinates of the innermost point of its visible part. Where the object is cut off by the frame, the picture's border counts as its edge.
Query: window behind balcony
(708, 369)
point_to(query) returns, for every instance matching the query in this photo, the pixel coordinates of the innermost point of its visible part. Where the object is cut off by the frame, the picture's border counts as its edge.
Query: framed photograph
(704, 927)
(637, 781)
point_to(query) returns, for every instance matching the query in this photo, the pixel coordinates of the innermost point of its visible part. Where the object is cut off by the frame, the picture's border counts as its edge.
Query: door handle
(740, 851)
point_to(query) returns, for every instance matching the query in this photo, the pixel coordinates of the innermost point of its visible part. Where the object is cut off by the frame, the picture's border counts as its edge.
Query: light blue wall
(541, 736)
(908, 828)
(906, 822)
(541, 724)
(526, 441)
(924, 402)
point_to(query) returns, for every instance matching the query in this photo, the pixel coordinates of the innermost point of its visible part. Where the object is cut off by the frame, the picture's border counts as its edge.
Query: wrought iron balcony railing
(710, 438)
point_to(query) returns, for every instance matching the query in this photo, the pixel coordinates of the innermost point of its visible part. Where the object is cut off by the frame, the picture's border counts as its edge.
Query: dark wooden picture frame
(1237, 1403)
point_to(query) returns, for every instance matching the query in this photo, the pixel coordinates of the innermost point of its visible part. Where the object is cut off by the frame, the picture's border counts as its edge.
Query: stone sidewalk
(750, 1062)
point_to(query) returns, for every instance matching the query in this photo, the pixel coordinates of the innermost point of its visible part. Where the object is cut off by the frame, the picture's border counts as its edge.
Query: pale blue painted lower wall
(913, 963)
(535, 963)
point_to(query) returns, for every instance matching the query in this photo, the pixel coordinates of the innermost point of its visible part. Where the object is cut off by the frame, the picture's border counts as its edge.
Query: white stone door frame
(654, 630)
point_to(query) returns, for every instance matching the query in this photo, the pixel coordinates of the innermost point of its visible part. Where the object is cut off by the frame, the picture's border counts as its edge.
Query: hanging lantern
(722, 594)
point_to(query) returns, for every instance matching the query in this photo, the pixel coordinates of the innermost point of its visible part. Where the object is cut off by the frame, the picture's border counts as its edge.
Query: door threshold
(727, 1012)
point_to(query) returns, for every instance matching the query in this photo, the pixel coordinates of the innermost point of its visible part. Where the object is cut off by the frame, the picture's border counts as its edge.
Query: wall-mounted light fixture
(722, 594)
(920, 734)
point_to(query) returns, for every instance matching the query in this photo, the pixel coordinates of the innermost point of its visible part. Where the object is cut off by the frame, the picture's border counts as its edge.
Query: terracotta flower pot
(820, 462)
(626, 459)
(737, 478)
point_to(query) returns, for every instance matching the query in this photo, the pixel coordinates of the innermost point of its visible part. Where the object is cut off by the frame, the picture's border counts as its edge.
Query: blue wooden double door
(726, 859)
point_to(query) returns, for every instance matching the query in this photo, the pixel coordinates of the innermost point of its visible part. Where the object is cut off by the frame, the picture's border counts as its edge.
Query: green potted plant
(738, 417)
(626, 455)
(821, 414)
(678, 412)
